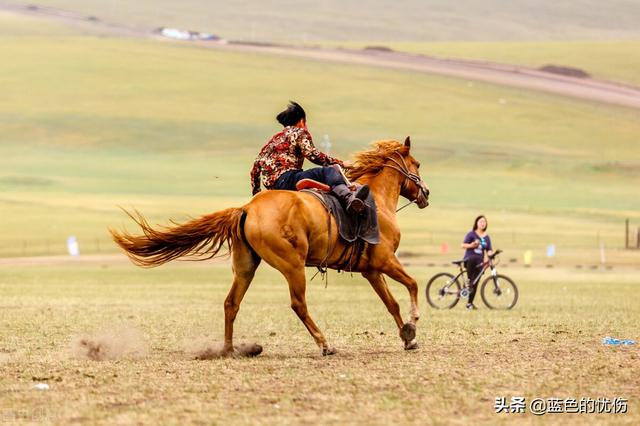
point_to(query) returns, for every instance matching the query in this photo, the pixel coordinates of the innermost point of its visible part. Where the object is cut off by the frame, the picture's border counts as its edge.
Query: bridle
(401, 166)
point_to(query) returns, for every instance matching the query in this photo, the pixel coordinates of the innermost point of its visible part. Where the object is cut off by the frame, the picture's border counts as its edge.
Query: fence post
(626, 233)
(638, 239)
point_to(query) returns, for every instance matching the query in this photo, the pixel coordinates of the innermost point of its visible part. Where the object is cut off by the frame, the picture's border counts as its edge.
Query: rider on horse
(280, 162)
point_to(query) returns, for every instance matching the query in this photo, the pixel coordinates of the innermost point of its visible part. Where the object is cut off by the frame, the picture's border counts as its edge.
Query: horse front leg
(407, 331)
(394, 269)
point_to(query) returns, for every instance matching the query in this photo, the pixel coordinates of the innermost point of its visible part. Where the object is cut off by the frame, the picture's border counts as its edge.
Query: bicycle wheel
(499, 292)
(443, 291)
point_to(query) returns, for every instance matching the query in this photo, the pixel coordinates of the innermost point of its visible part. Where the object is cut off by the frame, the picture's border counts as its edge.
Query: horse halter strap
(404, 170)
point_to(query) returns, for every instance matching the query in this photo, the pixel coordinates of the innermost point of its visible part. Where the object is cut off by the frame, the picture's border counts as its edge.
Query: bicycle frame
(492, 288)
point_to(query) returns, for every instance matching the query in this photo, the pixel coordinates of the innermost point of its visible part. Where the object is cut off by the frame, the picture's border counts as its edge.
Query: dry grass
(549, 346)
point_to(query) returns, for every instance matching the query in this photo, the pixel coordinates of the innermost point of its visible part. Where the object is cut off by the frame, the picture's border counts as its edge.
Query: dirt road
(508, 75)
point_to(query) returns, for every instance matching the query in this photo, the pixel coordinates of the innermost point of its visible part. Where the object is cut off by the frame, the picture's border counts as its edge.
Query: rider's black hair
(475, 222)
(291, 115)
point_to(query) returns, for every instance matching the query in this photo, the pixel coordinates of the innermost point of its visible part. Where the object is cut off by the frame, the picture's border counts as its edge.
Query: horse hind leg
(297, 288)
(244, 264)
(285, 248)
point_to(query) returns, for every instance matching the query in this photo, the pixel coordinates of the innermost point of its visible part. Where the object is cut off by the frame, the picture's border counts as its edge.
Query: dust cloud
(109, 345)
(202, 348)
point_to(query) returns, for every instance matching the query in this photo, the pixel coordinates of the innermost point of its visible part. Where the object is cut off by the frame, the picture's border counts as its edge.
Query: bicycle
(498, 291)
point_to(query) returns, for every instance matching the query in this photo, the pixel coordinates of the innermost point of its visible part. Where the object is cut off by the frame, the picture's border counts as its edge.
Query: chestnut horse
(289, 230)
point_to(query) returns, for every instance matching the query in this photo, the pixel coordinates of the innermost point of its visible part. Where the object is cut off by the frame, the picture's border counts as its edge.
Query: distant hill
(407, 20)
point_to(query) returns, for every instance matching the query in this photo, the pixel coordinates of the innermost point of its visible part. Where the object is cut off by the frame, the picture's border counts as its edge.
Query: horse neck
(386, 187)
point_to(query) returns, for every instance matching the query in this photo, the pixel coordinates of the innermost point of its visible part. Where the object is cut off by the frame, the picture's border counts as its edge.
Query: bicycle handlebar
(495, 253)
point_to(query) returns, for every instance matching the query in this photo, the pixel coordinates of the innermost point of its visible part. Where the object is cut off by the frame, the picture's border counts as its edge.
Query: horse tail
(200, 238)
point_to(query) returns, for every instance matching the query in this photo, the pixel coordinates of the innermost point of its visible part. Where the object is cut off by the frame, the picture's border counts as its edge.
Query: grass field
(413, 20)
(548, 346)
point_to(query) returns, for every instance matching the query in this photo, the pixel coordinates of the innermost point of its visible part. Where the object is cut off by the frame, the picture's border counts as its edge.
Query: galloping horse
(289, 230)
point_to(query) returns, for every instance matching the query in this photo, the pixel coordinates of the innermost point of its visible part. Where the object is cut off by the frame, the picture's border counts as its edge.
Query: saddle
(350, 227)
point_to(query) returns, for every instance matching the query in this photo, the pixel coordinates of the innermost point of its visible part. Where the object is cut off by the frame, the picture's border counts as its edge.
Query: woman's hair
(475, 222)
(291, 115)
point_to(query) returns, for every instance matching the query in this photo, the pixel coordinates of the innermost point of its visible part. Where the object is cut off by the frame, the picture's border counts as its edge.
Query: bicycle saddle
(458, 262)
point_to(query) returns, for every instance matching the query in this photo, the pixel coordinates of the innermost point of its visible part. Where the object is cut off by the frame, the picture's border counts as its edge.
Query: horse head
(392, 154)
(413, 187)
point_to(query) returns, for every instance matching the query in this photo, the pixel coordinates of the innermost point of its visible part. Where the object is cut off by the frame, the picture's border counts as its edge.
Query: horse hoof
(249, 350)
(408, 332)
(329, 351)
(209, 354)
(411, 345)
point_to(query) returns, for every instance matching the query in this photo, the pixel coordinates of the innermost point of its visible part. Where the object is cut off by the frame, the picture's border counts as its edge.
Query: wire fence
(54, 247)
(548, 248)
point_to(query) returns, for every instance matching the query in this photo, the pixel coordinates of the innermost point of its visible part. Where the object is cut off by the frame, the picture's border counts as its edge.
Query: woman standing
(476, 243)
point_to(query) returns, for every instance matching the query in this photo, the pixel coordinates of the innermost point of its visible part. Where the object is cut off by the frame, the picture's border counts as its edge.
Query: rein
(406, 205)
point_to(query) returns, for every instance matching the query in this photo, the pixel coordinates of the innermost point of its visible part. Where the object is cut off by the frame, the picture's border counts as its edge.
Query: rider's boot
(352, 201)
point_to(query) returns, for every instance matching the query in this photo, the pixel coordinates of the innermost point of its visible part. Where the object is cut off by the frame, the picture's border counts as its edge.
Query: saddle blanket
(351, 227)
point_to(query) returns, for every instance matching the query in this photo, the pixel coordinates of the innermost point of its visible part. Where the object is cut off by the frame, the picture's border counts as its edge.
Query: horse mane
(371, 161)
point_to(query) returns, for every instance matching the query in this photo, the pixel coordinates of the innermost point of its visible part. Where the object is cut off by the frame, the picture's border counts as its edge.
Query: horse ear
(407, 142)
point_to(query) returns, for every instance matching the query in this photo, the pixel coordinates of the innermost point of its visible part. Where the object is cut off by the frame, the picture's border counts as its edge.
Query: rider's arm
(311, 153)
(489, 248)
(255, 177)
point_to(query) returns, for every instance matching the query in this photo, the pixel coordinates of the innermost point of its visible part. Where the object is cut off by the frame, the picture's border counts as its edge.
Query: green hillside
(88, 124)
(409, 20)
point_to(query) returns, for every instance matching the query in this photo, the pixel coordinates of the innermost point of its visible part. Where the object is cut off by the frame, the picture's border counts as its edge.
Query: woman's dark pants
(474, 267)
